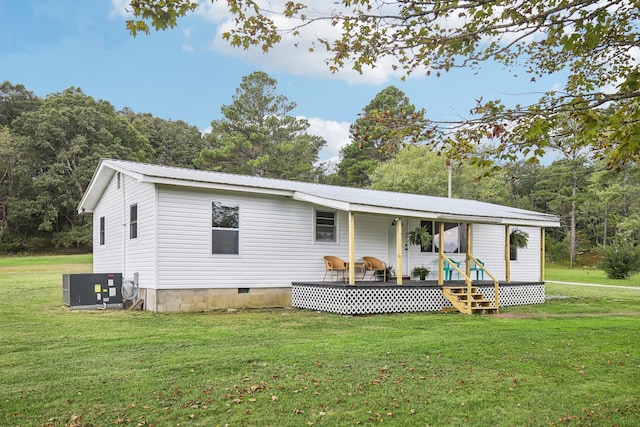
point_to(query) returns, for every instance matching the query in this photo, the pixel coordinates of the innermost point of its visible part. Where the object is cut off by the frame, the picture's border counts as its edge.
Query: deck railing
(496, 283)
(467, 278)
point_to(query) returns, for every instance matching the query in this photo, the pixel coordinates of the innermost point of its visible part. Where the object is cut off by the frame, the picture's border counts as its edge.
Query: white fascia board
(215, 186)
(97, 185)
(450, 217)
(397, 212)
(322, 201)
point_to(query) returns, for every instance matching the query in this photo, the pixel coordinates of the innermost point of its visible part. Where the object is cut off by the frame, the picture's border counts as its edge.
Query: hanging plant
(420, 237)
(518, 239)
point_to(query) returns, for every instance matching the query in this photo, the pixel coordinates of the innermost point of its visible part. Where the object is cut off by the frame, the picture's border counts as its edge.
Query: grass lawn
(572, 361)
(562, 273)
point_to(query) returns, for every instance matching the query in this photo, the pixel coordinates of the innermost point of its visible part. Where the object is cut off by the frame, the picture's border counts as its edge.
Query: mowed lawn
(574, 360)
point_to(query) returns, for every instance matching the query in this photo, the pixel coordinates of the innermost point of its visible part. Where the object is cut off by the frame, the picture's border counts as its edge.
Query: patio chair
(477, 269)
(448, 270)
(375, 267)
(334, 264)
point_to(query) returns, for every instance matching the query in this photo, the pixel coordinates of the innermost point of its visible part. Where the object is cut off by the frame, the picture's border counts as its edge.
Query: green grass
(572, 361)
(563, 273)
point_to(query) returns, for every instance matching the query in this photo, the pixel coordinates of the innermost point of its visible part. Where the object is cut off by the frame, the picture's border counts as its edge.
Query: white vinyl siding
(121, 254)
(140, 253)
(487, 244)
(527, 267)
(276, 239)
(107, 258)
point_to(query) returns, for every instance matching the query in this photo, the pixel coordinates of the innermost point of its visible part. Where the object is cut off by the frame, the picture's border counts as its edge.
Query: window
(133, 221)
(455, 237)
(513, 253)
(225, 229)
(102, 230)
(326, 226)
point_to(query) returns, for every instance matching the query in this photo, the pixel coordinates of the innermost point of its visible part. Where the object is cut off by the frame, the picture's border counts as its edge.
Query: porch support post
(352, 248)
(468, 250)
(441, 254)
(542, 254)
(399, 251)
(507, 253)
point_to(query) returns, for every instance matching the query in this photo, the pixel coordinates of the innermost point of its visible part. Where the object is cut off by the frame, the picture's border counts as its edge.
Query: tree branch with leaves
(595, 41)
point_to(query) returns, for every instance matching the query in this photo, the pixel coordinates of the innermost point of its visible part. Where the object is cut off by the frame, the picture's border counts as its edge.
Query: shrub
(620, 260)
(556, 251)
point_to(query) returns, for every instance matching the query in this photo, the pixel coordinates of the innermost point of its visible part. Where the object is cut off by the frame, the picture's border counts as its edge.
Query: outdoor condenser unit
(91, 291)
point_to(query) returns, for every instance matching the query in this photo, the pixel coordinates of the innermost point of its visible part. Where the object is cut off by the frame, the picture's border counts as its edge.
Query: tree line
(50, 147)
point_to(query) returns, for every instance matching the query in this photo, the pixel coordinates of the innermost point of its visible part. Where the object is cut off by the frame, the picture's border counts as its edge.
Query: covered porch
(354, 295)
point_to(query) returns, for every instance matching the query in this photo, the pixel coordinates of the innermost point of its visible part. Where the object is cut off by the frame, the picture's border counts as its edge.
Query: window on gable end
(133, 221)
(102, 231)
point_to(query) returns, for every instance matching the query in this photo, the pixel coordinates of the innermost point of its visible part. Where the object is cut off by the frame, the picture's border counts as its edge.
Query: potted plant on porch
(422, 272)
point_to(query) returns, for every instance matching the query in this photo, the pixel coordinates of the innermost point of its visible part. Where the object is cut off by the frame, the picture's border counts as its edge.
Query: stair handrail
(467, 279)
(496, 283)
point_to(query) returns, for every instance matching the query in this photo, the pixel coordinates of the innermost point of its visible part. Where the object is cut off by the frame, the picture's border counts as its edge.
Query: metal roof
(336, 197)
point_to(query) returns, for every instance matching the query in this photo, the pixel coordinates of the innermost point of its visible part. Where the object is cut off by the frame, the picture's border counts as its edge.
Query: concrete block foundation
(197, 300)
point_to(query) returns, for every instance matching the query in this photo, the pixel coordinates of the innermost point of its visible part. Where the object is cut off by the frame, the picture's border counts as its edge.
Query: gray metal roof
(337, 197)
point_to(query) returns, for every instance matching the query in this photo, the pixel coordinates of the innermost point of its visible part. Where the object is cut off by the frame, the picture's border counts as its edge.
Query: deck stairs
(467, 300)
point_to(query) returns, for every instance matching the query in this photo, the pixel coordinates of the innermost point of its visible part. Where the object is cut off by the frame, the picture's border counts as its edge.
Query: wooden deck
(412, 296)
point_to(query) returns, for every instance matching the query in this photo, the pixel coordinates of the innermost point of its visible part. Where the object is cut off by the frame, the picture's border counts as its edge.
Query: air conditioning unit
(91, 291)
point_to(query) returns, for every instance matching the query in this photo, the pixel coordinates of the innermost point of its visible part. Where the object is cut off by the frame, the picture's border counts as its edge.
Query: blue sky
(188, 73)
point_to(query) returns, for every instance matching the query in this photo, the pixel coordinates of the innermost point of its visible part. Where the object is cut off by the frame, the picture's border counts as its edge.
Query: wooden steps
(467, 302)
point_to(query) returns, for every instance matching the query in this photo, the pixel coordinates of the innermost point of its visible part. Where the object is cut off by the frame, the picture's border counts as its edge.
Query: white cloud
(213, 11)
(335, 133)
(292, 54)
(120, 8)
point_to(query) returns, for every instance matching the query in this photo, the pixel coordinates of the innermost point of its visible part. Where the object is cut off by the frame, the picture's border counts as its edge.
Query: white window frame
(336, 227)
(133, 223)
(102, 233)
(223, 229)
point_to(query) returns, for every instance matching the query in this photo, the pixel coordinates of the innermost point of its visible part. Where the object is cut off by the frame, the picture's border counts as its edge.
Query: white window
(102, 231)
(455, 237)
(326, 226)
(133, 221)
(225, 229)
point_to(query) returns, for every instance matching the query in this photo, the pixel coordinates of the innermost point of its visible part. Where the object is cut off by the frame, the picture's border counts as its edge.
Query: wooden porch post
(507, 253)
(352, 247)
(542, 254)
(468, 250)
(441, 254)
(399, 251)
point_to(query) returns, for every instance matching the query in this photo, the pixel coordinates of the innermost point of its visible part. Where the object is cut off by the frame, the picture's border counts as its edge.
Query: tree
(57, 148)
(385, 125)
(175, 143)
(257, 136)
(593, 40)
(418, 170)
(15, 100)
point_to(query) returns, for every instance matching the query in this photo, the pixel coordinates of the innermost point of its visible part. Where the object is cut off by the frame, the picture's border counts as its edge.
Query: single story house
(195, 240)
